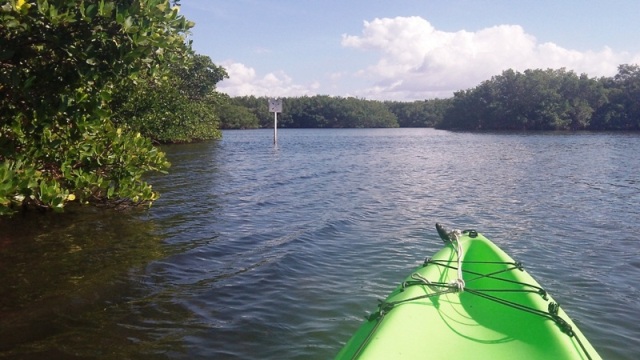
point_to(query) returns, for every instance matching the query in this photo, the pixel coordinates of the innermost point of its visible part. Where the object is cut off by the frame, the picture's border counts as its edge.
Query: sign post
(275, 106)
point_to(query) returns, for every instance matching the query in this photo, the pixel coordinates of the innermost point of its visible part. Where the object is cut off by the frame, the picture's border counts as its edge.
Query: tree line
(530, 100)
(322, 111)
(548, 100)
(319, 111)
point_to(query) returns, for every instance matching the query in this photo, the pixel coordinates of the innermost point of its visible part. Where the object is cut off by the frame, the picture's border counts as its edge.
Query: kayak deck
(479, 305)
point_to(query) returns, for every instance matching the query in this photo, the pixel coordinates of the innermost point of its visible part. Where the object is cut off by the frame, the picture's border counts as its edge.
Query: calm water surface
(263, 252)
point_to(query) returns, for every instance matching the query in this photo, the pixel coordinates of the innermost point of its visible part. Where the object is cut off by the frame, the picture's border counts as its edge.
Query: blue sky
(405, 49)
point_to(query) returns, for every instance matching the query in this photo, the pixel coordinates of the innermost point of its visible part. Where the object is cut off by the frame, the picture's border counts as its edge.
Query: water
(256, 251)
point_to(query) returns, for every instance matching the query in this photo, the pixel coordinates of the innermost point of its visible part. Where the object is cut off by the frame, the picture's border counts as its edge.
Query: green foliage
(61, 62)
(237, 117)
(180, 107)
(545, 100)
(197, 79)
(425, 113)
(322, 112)
(622, 110)
(258, 107)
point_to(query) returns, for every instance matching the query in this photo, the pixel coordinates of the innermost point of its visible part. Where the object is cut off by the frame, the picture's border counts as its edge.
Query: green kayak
(470, 301)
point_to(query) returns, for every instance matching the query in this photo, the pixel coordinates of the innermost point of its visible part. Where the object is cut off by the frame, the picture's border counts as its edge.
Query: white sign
(275, 105)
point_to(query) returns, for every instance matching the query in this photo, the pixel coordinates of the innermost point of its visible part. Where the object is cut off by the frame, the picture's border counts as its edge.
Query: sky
(405, 50)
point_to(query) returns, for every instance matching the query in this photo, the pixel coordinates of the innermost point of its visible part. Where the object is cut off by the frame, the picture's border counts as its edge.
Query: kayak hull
(501, 313)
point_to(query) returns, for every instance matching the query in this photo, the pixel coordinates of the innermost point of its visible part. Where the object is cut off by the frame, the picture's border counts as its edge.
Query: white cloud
(418, 61)
(243, 80)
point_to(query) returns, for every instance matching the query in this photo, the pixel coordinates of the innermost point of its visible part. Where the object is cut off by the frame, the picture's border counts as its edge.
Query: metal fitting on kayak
(471, 233)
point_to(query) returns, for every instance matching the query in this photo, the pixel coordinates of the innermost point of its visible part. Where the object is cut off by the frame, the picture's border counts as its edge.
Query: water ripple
(279, 252)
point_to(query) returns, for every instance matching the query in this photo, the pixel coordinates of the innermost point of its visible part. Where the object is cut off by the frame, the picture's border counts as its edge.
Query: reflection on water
(66, 283)
(256, 251)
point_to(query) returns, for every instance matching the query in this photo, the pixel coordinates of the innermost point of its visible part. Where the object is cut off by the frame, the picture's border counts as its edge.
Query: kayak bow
(470, 301)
